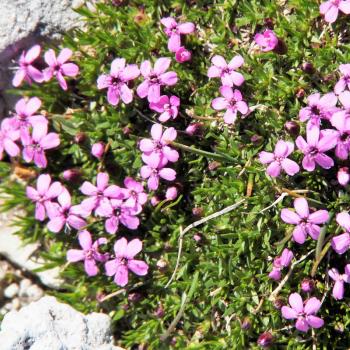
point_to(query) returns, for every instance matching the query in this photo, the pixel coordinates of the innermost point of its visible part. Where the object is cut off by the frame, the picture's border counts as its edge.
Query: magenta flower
(317, 143)
(26, 71)
(344, 81)
(8, 138)
(99, 192)
(341, 243)
(183, 55)
(232, 102)
(26, 117)
(153, 175)
(266, 40)
(156, 152)
(155, 78)
(98, 149)
(174, 31)
(117, 81)
(341, 121)
(124, 261)
(306, 223)
(330, 9)
(44, 193)
(59, 68)
(65, 214)
(339, 279)
(304, 314)
(168, 107)
(318, 108)
(134, 193)
(89, 253)
(278, 159)
(227, 72)
(280, 262)
(343, 176)
(36, 145)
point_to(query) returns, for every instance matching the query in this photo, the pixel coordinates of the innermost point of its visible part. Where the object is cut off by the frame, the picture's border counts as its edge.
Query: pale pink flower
(183, 55)
(58, 67)
(98, 149)
(26, 71)
(344, 81)
(278, 159)
(227, 72)
(303, 314)
(134, 193)
(153, 175)
(168, 107)
(281, 262)
(330, 9)
(174, 31)
(124, 261)
(44, 193)
(155, 78)
(343, 176)
(266, 40)
(116, 82)
(8, 138)
(341, 121)
(341, 243)
(89, 253)
(306, 223)
(171, 193)
(339, 279)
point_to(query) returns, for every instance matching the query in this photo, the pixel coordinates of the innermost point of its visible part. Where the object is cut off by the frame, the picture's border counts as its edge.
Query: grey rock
(48, 324)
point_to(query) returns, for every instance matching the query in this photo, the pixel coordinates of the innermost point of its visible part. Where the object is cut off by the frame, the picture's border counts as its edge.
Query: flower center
(313, 151)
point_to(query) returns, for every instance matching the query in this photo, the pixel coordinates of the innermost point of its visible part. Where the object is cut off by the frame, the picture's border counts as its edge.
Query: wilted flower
(280, 262)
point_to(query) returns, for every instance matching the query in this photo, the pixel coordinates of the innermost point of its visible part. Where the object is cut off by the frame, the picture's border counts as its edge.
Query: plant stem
(322, 236)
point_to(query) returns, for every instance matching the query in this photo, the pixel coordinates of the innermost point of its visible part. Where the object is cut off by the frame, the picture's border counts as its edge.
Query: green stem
(322, 236)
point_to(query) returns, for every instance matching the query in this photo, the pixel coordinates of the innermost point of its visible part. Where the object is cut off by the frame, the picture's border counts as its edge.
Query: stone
(34, 292)
(11, 290)
(48, 324)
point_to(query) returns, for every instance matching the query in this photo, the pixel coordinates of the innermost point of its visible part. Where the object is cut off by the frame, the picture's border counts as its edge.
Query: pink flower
(227, 72)
(317, 143)
(330, 9)
(194, 129)
(8, 138)
(171, 193)
(117, 81)
(183, 55)
(266, 40)
(341, 243)
(89, 253)
(278, 159)
(58, 66)
(153, 175)
(344, 81)
(339, 279)
(168, 107)
(341, 121)
(280, 262)
(36, 145)
(134, 193)
(174, 31)
(25, 116)
(43, 194)
(124, 261)
(26, 70)
(306, 223)
(65, 214)
(98, 149)
(155, 78)
(156, 152)
(99, 192)
(232, 102)
(343, 176)
(304, 314)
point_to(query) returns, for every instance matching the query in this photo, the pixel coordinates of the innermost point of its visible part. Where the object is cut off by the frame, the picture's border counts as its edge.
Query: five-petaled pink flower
(26, 70)
(266, 40)
(44, 193)
(278, 159)
(339, 279)
(134, 193)
(168, 107)
(36, 145)
(341, 121)
(232, 101)
(227, 72)
(124, 261)
(344, 81)
(306, 223)
(174, 31)
(58, 66)
(341, 243)
(280, 262)
(330, 9)
(303, 314)
(116, 82)
(89, 253)
(317, 143)
(155, 78)
(153, 175)
(8, 138)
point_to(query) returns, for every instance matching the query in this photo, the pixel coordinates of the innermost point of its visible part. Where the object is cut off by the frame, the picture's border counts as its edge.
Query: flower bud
(162, 265)
(343, 176)
(256, 139)
(281, 47)
(265, 339)
(134, 297)
(197, 211)
(183, 55)
(300, 93)
(73, 175)
(171, 193)
(307, 285)
(269, 23)
(159, 313)
(308, 68)
(197, 237)
(246, 323)
(98, 149)
(213, 165)
(80, 137)
(194, 129)
(278, 303)
(155, 201)
(292, 128)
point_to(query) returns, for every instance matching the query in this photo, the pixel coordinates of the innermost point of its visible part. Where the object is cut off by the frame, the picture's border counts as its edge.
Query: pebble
(34, 293)
(23, 287)
(11, 291)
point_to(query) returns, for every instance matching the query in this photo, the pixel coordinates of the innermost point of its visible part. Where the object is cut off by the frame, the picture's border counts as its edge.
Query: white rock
(11, 290)
(34, 292)
(50, 325)
(23, 286)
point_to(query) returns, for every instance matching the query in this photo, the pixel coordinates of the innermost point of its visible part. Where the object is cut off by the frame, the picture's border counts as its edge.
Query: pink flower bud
(197, 237)
(72, 175)
(307, 285)
(171, 193)
(292, 128)
(343, 176)
(246, 323)
(182, 55)
(265, 339)
(275, 274)
(194, 129)
(155, 201)
(98, 149)
(159, 313)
